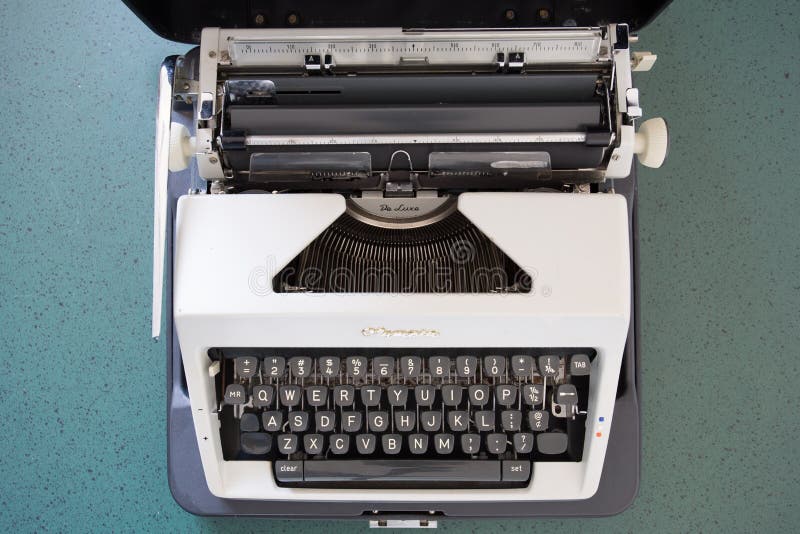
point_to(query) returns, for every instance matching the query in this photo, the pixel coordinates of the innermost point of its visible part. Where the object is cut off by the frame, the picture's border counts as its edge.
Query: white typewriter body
(573, 242)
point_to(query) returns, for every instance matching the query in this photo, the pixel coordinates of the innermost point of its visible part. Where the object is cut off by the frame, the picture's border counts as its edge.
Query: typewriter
(400, 260)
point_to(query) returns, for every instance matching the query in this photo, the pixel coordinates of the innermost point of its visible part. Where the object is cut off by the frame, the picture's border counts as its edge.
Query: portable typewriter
(402, 272)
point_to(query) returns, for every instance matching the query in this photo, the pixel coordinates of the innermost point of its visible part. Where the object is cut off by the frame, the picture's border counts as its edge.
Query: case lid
(182, 20)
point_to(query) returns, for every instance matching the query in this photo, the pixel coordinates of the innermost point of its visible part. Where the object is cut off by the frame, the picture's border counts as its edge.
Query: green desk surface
(82, 395)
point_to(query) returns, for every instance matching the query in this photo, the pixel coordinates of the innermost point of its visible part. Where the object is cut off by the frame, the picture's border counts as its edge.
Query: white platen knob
(181, 147)
(651, 143)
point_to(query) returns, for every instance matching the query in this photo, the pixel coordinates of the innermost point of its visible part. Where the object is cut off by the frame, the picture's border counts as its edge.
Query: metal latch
(402, 523)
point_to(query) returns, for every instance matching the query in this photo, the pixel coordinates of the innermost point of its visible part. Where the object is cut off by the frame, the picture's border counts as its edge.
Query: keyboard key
(300, 366)
(316, 396)
(298, 421)
(511, 420)
(329, 366)
(383, 367)
(371, 395)
(398, 395)
(340, 443)
(405, 473)
(465, 366)
(479, 394)
(523, 443)
(496, 443)
(391, 443)
(235, 394)
(470, 443)
(351, 421)
(532, 394)
(287, 443)
(255, 443)
(365, 443)
(405, 421)
(313, 443)
(516, 471)
(343, 396)
(431, 421)
(245, 366)
(567, 395)
(272, 421)
(451, 395)
(551, 443)
(378, 421)
(418, 443)
(548, 366)
(444, 443)
(523, 366)
(263, 396)
(458, 421)
(325, 421)
(249, 423)
(506, 395)
(494, 366)
(410, 367)
(579, 365)
(356, 366)
(484, 420)
(538, 420)
(290, 395)
(273, 367)
(439, 366)
(425, 395)
(288, 470)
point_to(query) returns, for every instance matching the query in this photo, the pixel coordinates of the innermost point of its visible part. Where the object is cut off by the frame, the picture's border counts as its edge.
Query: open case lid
(182, 20)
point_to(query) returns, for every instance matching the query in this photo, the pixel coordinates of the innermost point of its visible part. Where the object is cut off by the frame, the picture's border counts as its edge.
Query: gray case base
(619, 483)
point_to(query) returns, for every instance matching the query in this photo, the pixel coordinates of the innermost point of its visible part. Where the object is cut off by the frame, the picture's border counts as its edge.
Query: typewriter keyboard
(410, 418)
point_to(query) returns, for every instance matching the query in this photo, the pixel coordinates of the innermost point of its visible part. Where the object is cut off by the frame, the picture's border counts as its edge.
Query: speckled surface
(82, 431)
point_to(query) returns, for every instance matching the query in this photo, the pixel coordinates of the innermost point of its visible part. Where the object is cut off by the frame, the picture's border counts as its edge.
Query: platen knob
(652, 142)
(181, 147)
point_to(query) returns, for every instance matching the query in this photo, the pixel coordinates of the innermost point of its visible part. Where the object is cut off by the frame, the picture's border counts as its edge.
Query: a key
(539, 420)
(273, 367)
(287, 443)
(484, 420)
(470, 443)
(431, 421)
(249, 423)
(479, 394)
(548, 366)
(290, 395)
(523, 366)
(351, 421)
(439, 366)
(382, 367)
(444, 443)
(532, 394)
(365, 443)
(567, 395)
(579, 365)
(425, 395)
(511, 420)
(418, 443)
(313, 443)
(496, 443)
(298, 421)
(378, 421)
(329, 366)
(356, 366)
(551, 442)
(465, 366)
(340, 443)
(300, 366)
(326, 421)
(316, 396)
(523, 443)
(263, 396)
(272, 421)
(506, 395)
(235, 394)
(451, 395)
(458, 421)
(397, 395)
(494, 366)
(245, 366)
(343, 395)
(371, 395)
(391, 443)
(410, 366)
(255, 443)
(516, 471)
(405, 421)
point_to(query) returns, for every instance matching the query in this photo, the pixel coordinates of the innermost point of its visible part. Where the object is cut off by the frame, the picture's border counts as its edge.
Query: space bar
(401, 474)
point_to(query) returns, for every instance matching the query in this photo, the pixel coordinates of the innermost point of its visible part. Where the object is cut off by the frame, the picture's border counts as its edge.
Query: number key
(465, 366)
(356, 366)
(494, 366)
(300, 366)
(410, 366)
(273, 367)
